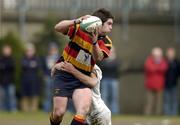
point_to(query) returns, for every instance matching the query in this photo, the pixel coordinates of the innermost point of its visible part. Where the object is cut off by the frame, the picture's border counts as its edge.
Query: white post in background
(1, 9)
(177, 20)
(22, 6)
(5, 5)
(75, 7)
(125, 19)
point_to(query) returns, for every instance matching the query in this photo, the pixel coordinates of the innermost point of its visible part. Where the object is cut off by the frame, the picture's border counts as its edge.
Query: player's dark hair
(103, 14)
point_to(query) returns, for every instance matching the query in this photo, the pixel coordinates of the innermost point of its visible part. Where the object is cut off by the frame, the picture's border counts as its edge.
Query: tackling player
(99, 113)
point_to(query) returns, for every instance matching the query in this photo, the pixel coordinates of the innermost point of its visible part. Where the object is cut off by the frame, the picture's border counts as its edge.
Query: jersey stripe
(104, 48)
(76, 47)
(84, 36)
(73, 61)
(108, 40)
(72, 53)
(82, 43)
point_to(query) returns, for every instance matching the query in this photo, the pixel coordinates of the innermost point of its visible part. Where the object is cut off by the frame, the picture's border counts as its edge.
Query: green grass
(41, 118)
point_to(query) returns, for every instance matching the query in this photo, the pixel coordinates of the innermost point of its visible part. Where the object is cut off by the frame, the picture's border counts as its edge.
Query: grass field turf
(40, 118)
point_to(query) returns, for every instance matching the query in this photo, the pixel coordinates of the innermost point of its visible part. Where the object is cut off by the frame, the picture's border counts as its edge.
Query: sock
(78, 120)
(54, 122)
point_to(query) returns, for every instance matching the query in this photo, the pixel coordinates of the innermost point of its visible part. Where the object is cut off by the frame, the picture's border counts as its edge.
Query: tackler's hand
(68, 67)
(57, 66)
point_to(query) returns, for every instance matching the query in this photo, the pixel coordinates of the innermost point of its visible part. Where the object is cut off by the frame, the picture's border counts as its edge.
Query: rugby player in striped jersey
(83, 51)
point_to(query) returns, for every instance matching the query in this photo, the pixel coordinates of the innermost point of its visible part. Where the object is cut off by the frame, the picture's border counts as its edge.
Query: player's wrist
(94, 42)
(73, 71)
(77, 21)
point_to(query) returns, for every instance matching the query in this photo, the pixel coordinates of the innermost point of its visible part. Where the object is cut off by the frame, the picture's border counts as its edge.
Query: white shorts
(99, 113)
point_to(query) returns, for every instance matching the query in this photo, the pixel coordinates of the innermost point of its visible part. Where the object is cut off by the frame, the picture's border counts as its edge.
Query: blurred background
(27, 30)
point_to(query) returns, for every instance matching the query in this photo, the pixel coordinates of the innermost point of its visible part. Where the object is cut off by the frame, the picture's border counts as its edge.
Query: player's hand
(57, 66)
(95, 35)
(79, 20)
(85, 17)
(68, 67)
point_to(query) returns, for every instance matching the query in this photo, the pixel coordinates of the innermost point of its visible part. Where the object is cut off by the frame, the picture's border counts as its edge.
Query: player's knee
(59, 112)
(83, 110)
(86, 109)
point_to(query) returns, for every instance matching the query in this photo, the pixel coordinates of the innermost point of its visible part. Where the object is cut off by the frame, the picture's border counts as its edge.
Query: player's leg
(59, 108)
(106, 116)
(60, 97)
(102, 119)
(100, 114)
(82, 102)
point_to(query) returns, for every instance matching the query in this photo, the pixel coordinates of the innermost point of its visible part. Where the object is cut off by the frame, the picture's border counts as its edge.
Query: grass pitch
(41, 118)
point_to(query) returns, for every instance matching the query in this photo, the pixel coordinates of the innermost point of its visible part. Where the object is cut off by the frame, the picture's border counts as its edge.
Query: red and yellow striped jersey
(79, 50)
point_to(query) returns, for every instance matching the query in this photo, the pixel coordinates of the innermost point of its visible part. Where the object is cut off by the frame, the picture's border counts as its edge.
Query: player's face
(107, 27)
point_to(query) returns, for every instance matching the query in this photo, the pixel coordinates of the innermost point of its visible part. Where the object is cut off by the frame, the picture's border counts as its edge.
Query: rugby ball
(90, 24)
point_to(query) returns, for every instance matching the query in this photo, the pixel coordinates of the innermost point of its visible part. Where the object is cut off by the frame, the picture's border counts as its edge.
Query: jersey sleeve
(72, 30)
(98, 72)
(105, 45)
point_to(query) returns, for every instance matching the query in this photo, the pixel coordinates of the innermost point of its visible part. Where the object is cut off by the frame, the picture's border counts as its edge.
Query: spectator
(155, 69)
(110, 82)
(7, 87)
(30, 84)
(47, 64)
(170, 95)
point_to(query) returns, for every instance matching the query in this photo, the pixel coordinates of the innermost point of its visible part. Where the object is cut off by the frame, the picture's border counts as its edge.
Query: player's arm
(97, 52)
(68, 67)
(64, 25)
(101, 48)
